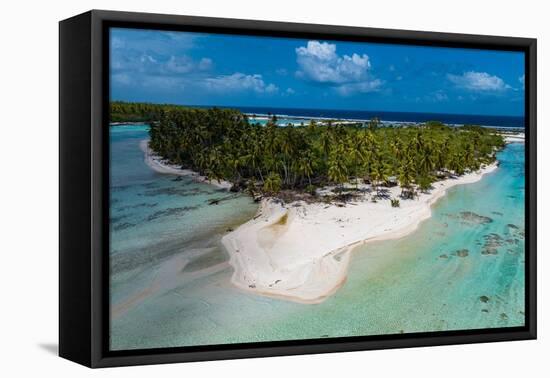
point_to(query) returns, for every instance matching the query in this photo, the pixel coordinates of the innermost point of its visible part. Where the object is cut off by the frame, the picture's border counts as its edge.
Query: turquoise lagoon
(463, 268)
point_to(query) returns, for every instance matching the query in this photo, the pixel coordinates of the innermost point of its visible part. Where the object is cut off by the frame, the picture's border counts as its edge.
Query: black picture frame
(84, 190)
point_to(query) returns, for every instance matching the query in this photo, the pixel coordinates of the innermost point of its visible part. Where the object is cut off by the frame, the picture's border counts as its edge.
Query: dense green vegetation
(138, 111)
(223, 144)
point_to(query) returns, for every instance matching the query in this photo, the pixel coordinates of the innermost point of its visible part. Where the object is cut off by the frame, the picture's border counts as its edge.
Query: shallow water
(462, 269)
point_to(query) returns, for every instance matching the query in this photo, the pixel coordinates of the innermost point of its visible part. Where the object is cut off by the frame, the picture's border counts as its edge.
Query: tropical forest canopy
(224, 144)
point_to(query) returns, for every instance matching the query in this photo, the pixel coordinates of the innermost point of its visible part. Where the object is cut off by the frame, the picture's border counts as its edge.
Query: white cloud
(121, 78)
(149, 65)
(521, 79)
(361, 87)
(183, 65)
(271, 88)
(440, 96)
(240, 81)
(205, 64)
(437, 96)
(178, 65)
(117, 43)
(478, 82)
(164, 82)
(290, 91)
(151, 41)
(319, 62)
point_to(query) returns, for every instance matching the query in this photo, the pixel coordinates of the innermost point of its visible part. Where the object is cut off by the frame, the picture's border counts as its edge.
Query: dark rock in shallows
(443, 256)
(503, 316)
(461, 253)
(484, 298)
(489, 251)
(472, 217)
(492, 243)
(123, 226)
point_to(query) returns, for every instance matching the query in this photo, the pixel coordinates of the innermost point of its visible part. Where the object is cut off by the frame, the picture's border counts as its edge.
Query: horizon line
(318, 109)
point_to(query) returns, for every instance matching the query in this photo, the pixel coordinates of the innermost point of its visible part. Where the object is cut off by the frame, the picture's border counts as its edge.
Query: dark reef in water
(492, 243)
(137, 206)
(469, 217)
(117, 219)
(472, 217)
(123, 226)
(461, 253)
(174, 211)
(515, 231)
(171, 191)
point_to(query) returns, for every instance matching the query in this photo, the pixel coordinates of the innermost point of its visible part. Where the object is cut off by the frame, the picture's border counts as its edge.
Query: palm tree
(426, 159)
(337, 170)
(456, 163)
(406, 176)
(326, 141)
(356, 155)
(305, 167)
(373, 124)
(273, 183)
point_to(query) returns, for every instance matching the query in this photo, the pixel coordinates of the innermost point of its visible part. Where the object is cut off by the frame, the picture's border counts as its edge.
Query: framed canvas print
(234, 188)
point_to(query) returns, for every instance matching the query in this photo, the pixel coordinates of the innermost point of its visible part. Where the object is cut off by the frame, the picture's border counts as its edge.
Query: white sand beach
(162, 166)
(514, 138)
(301, 251)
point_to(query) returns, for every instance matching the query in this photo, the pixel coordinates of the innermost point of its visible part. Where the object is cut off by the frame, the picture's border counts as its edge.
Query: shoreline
(301, 252)
(264, 117)
(156, 163)
(513, 137)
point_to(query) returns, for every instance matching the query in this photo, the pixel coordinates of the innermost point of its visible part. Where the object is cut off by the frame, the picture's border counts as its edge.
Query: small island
(267, 189)
(324, 186)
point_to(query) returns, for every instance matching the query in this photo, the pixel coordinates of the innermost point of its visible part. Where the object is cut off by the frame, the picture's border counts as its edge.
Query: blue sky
(225, 70)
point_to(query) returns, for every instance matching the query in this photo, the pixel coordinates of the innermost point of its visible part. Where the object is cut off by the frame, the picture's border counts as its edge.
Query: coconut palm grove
(223, 144)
